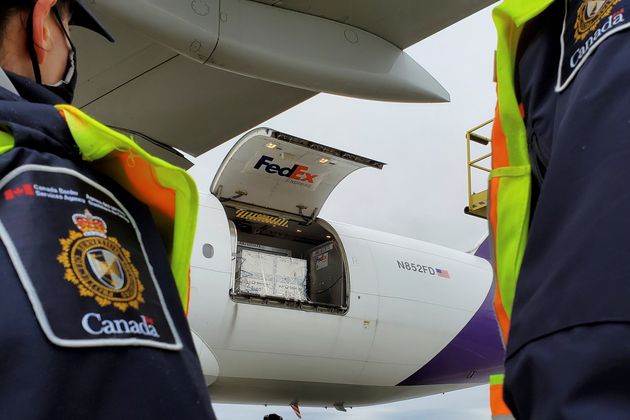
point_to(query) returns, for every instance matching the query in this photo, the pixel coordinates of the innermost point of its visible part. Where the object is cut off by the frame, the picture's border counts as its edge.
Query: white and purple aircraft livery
(290, 308)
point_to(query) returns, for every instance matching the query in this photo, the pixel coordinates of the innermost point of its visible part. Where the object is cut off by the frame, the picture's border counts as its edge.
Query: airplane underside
(309, 394)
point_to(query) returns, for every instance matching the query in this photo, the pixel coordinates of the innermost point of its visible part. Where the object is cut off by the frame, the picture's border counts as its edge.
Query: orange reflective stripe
(499, 159)
(187, 305)
(499, 146)
(137, 176)
(502, 317)
(168, 191)
(497, 405)
(147, 188)
(500, 156)
(499, 309)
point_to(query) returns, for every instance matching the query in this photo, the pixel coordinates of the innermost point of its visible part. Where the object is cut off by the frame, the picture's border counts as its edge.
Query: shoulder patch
(81, 260)
(587, 23)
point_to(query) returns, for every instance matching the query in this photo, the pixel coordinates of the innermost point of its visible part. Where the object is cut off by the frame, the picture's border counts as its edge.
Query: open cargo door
(272, 187)
(276, 171)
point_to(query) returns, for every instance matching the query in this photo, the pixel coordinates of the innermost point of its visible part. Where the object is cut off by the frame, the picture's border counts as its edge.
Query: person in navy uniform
(568, 354)
(92, 306)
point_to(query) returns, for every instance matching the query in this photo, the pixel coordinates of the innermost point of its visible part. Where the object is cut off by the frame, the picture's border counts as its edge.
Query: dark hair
(9, 7)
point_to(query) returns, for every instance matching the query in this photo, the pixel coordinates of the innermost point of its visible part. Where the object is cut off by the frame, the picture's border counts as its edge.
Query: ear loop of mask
(73, 51)
(31, 49)
(33, 53)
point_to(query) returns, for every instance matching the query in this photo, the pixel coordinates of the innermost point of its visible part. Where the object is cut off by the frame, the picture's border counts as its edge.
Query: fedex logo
(296, 172)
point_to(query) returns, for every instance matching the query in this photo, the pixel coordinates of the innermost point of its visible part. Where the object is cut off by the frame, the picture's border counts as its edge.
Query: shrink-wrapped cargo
(268, 275)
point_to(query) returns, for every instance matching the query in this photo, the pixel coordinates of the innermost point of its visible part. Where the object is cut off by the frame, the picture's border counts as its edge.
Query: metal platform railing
(477, 201)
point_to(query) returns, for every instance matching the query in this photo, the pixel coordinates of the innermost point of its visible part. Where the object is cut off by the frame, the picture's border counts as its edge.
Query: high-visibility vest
(168, 191)
(510, 179)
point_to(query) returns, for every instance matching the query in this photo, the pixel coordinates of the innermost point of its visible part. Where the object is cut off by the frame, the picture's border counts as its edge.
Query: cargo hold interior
(288, 263)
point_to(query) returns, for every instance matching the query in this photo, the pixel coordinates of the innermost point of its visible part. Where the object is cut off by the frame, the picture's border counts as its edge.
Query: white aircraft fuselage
(378, 317)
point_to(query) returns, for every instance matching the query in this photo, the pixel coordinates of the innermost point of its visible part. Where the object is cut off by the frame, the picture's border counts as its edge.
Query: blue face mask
(64, 88)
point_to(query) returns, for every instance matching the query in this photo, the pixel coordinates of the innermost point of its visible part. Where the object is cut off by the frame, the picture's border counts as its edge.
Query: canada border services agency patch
(80, 258)
(587, 23)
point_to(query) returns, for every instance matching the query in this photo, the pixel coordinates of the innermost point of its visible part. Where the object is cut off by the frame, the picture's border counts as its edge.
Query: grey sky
(421, 193)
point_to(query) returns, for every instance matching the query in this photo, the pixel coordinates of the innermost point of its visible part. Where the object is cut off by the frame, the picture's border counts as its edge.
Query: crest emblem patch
(99, 266)
(589, 15)
(587, 24)
(91, 277)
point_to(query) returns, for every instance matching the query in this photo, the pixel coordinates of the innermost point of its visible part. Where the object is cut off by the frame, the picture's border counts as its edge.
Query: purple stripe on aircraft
(484, 250)
(474, 354)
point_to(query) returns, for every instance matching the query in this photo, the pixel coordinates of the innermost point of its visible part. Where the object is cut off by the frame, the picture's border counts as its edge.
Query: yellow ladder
(477, 201)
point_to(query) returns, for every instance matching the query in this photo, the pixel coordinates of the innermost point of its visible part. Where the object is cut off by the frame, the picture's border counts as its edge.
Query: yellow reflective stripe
(510, 171)
(511, 234)
(513, 182)
(186, 207)
(509, 18)
(6, 142)
(497, 379)
(509, 111)
(96, 141)
(522, 11)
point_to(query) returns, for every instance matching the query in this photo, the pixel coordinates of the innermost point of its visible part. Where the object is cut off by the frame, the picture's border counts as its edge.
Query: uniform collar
(26, 111)
(6, 83)
(20, 87)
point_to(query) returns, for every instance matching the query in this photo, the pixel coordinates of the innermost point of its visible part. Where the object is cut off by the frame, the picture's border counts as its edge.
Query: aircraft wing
(194, 74)
(401, 22)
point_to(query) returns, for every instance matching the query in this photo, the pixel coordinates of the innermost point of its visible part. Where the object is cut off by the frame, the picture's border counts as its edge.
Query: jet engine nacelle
(282, 46)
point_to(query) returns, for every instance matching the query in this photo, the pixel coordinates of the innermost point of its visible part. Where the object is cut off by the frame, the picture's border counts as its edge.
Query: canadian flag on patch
(149, 320)
(296, 410)
(11, 193)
